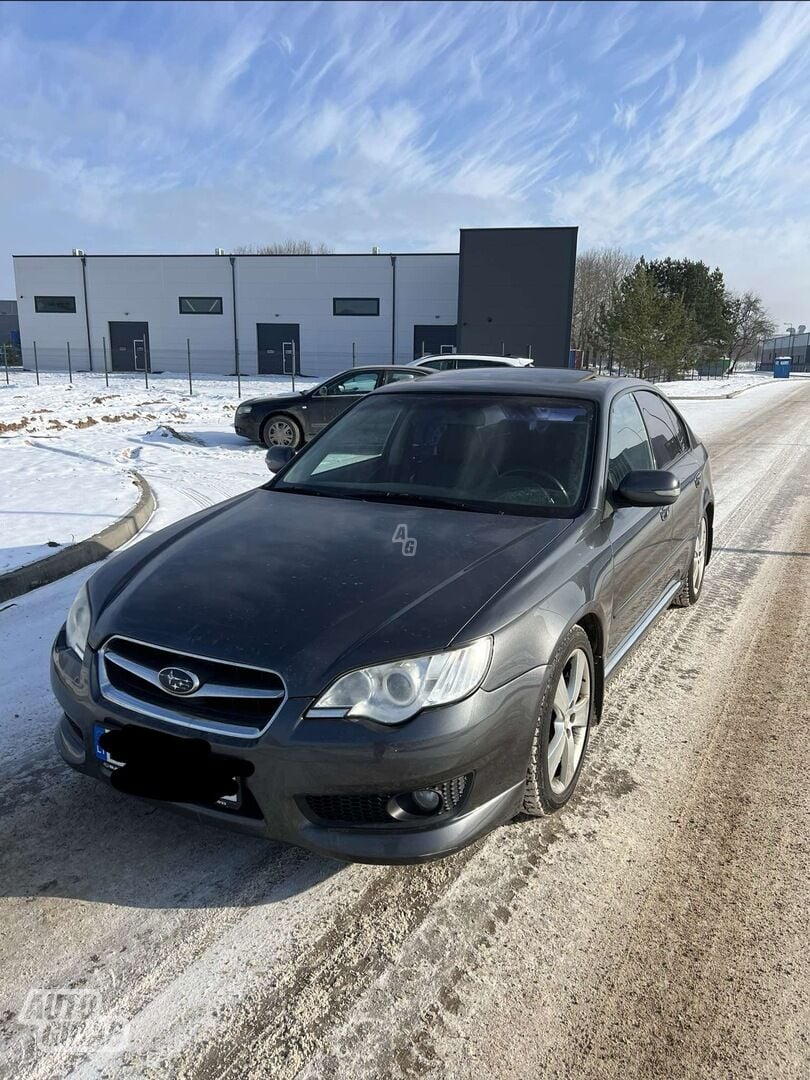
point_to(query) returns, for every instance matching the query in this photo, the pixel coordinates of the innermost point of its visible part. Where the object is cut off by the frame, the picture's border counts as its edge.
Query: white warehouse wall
(300, 289)
(269, 289)
(48, 276)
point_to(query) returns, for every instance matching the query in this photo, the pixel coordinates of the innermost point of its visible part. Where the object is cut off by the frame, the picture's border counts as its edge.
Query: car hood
(272, 398)
(311, 586)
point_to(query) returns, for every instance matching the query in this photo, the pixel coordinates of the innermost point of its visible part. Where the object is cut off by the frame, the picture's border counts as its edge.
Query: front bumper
(247, 426)
(486, 738)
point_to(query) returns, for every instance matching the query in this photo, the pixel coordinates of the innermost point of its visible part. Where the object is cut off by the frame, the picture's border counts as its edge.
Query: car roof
(372, 367)
(513, 380)
(507, 361)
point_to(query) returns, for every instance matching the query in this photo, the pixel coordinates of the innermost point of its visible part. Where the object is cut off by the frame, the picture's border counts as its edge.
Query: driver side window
(629, 444)
(361, 383)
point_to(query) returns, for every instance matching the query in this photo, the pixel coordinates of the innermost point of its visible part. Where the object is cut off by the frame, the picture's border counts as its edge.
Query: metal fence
(709, 369)
(192, 364)
(795, 365)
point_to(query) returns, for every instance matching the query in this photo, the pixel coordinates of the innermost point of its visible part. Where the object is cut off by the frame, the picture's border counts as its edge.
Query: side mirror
(649, 487)
(277, 457)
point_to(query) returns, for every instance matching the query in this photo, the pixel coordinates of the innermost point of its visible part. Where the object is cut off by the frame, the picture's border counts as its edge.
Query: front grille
(372, 809)
(231, 698)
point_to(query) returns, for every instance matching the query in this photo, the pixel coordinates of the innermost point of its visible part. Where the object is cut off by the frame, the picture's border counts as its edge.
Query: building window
(355, 305)
(55, 305)
(200, 305)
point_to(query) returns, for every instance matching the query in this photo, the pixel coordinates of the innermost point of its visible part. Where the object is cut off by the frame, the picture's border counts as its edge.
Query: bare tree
(749, 322)
(284, 247)
(600, 272)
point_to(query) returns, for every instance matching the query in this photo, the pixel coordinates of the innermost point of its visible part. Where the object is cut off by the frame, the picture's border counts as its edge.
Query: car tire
(564, 718)
(280, 430)
(690, 593)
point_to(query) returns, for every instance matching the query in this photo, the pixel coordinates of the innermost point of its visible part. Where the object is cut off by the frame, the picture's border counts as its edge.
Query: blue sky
(667, 128)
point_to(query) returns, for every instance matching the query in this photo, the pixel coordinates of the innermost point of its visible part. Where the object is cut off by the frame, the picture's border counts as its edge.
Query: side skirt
(640, 629)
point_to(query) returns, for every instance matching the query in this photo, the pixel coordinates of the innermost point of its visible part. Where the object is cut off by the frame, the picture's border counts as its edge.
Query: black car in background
(292, 419)
(403, 639)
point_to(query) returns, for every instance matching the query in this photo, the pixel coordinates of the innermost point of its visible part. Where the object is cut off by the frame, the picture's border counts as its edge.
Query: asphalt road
(659, 926)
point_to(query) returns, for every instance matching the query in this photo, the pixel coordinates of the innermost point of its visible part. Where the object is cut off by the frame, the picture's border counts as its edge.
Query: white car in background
(453, 361)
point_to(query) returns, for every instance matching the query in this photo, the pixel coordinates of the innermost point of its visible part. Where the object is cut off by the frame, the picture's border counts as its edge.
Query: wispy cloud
(642, 69)
(625, 116)
(662, 127)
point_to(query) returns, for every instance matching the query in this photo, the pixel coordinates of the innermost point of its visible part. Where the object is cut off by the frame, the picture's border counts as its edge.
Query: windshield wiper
(415, 499)
(301, 489)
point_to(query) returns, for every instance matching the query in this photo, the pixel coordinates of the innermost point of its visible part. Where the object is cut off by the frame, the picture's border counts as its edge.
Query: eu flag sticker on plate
(101, 754)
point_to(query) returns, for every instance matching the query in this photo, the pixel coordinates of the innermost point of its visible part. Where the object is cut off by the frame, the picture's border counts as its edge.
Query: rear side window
(667, 432)
(401, 376)
(440, 365)
(629, 445)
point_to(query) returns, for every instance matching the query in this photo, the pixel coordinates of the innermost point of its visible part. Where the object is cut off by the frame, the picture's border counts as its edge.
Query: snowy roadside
(66, 454)
(688, 389)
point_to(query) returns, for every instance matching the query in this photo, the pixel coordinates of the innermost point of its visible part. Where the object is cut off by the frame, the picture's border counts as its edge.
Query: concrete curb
(42, 572)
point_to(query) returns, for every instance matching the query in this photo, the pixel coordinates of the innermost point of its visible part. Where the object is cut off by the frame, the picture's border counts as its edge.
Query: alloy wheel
(699, 557)
(569, 721)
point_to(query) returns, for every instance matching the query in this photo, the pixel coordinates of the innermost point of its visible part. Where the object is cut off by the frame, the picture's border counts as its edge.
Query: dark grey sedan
(403, 639)
(292, 419)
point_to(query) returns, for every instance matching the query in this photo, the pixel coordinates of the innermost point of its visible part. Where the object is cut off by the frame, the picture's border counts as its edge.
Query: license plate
(225, 802)
(103, 755)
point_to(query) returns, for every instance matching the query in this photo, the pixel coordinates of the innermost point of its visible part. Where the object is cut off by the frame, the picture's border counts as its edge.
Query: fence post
(5, 358)
(145, 366)
(423, 348)
(36, 363)
(70, 368)
(503, 348)
(188, 351)
(354, 353)
(106, 371)
(293, 367)
(238, 371)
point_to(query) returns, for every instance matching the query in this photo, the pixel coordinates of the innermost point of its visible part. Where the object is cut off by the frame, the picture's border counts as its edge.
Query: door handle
(698, 478)
(664, 513)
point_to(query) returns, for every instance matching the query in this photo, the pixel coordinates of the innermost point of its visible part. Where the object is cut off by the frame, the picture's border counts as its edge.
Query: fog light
(414, 804)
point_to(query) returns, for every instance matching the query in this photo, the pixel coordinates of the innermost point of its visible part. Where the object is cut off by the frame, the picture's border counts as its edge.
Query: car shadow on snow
(76, 838)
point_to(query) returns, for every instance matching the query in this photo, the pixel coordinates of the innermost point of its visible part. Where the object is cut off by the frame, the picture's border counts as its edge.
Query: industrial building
(505, 291)
(795, 344)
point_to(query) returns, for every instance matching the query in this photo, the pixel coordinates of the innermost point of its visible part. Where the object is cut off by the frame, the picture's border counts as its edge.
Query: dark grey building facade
(516, 293)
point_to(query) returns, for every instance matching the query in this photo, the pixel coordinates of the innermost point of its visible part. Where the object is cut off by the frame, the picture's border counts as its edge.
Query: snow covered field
(66, 454)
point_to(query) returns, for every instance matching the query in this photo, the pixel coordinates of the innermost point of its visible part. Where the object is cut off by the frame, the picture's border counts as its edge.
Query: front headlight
(392, 693)
(77, 626)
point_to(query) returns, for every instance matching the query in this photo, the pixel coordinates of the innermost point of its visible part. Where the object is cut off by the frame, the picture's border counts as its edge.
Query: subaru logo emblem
(178, 681)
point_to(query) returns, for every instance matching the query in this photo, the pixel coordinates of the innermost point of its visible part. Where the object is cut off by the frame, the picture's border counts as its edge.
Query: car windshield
(490, 453)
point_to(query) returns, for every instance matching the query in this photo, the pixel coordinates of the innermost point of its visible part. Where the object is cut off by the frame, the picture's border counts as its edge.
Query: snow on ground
(66, 453)
(709, 388)
(53, 496)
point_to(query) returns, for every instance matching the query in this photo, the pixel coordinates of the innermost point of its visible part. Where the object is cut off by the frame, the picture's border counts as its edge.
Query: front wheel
(281, 431)
(563, 726)
(690, 593)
